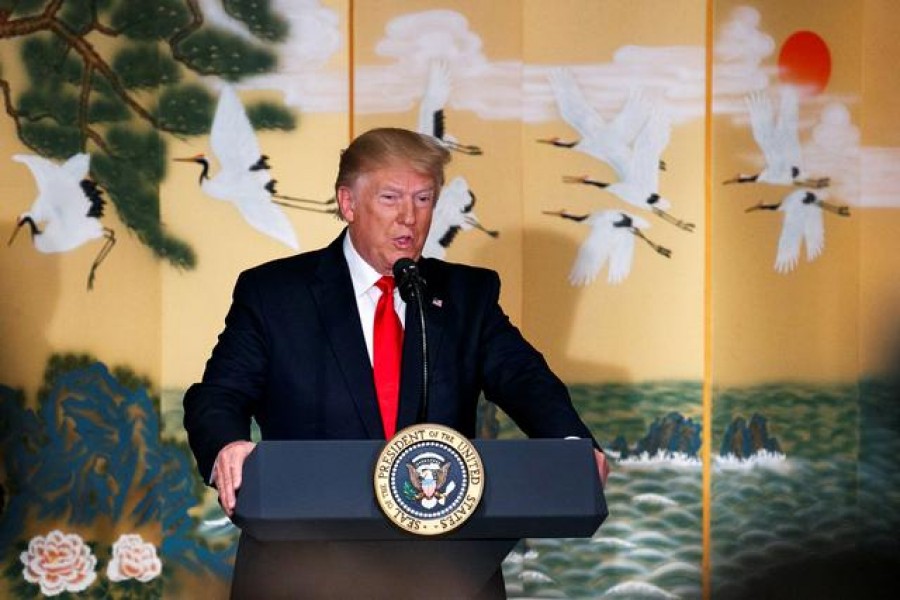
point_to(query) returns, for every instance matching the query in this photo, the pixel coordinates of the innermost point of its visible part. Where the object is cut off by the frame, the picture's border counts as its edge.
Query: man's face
(389, 212)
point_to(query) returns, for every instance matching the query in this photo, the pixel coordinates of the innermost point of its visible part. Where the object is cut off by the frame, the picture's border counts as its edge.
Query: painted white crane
(638, 183)
(431, 109)
(802, 223)
(67, 210)
(610, 141)
(452, 213)
(243, 178)
(779, 141)
(611, 240)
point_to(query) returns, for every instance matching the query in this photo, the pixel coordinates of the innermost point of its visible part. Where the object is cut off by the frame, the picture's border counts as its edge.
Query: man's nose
(407, 212)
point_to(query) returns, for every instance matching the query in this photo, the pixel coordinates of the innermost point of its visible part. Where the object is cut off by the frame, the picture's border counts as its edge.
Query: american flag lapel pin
(437, 302)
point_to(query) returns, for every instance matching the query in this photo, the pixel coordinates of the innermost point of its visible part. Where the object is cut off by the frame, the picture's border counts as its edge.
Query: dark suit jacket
(293, 356)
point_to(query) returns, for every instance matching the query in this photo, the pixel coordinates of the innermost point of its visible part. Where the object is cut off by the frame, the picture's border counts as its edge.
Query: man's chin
(412, 254)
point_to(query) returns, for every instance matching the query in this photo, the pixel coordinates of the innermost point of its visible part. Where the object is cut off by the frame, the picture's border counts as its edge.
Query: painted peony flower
(60, 562)
(133, 558)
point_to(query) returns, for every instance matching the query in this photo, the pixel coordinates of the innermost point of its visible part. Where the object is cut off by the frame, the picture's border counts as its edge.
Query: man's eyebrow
(390, 187)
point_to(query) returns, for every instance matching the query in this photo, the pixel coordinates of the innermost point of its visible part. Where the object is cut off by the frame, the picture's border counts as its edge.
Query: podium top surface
(323, 490)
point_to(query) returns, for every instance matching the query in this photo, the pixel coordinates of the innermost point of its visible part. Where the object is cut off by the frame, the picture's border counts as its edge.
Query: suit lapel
(334, 296)
(435, 321)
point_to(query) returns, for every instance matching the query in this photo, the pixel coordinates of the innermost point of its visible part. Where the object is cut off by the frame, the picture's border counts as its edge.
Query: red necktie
(387, 347)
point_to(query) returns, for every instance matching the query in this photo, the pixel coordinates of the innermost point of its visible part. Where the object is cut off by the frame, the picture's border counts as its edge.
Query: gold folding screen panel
(733, 349)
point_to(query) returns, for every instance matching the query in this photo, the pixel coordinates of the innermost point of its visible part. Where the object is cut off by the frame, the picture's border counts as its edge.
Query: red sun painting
(805, 61)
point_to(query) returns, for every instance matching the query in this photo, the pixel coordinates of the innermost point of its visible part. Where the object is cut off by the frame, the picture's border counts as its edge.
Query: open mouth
(403, 242)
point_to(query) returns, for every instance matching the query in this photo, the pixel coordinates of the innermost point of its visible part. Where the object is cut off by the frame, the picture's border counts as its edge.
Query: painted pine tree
(118, 79)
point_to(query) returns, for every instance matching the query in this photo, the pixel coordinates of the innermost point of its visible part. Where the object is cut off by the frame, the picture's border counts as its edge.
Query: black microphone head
(403, 267)
(407, 278)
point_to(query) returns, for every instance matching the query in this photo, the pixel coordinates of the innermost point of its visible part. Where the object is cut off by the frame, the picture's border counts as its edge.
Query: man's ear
(345, 203)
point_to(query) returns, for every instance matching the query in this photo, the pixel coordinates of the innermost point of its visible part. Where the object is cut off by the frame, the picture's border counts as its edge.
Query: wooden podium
(309, 519)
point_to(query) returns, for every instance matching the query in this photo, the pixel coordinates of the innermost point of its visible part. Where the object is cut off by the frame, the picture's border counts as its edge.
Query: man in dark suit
(297, 352)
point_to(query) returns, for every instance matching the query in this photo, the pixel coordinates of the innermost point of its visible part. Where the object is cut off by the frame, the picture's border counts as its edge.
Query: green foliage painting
(89, 458)
(118, 79)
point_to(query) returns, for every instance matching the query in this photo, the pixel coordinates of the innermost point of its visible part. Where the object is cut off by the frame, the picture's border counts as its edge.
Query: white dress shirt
(367, 293)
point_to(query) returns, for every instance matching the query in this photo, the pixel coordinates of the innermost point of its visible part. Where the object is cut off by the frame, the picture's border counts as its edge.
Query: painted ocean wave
(834, 482)
(671, 460)
(652, 500)
(612, 543)
(760, 460)
(638, 590)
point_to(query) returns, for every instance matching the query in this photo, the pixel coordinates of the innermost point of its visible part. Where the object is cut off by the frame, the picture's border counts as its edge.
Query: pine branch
(32, 24)
(12, 112)
(99, 27)
(97, 139)
(92, 59)
(86, 77)
(259, 18)
(195, 24)
(47, 21)
(79, 97)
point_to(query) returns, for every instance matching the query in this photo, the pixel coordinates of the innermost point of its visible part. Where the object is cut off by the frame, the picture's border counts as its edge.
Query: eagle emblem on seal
(428, 481)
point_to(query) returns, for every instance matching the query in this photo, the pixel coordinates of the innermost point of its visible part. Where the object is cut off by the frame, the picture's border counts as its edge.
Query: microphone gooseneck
(411, 285)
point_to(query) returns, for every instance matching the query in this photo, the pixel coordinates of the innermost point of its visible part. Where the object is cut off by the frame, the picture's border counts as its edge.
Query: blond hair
(387, 146)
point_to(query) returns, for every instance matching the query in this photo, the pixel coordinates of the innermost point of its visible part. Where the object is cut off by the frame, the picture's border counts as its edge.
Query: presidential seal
(428, 479)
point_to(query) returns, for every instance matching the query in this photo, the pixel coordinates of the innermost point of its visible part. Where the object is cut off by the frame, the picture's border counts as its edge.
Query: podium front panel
(323, 490)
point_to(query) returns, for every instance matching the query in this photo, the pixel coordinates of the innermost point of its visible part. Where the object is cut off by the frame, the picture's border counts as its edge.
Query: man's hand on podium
(227, 472)
(602, 466)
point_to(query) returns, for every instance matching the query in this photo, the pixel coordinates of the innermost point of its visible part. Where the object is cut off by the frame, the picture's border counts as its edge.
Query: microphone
(411, 285)
(409, 282)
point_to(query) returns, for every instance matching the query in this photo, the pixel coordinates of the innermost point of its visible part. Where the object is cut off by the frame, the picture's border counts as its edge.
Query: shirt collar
(362, 274)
